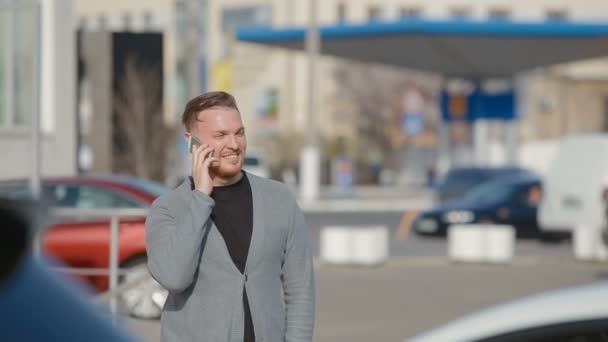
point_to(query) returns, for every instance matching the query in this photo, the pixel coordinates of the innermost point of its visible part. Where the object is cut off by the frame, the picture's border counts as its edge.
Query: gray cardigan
(188, 256)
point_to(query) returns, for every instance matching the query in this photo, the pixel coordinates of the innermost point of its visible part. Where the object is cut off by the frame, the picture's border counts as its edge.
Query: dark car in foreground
(513, 201)
(459, 181)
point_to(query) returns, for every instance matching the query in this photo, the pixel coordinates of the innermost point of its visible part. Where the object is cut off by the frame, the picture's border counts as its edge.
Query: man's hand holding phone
(202, 158)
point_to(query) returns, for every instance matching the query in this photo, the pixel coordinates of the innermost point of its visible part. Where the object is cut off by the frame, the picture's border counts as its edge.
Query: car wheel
(146, 299)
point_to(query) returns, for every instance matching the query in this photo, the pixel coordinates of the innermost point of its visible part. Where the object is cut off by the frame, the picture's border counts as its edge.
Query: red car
(84, 243)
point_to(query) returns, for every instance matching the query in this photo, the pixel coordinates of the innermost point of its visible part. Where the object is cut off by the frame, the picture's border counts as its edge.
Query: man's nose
(232, 143)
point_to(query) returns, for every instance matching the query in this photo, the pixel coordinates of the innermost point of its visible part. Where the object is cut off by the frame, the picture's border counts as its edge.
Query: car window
(14, 190)
(579, 331)
(528, 196)
(150, 187)
(85, 196)
(491, 192)
(251, 161)
(461, 181)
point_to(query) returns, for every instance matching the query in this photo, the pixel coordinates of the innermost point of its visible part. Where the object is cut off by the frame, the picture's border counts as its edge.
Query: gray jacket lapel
(257, 237)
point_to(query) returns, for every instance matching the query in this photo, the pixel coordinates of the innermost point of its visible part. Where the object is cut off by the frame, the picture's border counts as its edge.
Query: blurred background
(452, 150)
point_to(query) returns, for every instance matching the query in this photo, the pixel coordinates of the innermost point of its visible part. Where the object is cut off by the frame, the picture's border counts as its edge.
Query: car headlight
(459, 216)
(426, 225)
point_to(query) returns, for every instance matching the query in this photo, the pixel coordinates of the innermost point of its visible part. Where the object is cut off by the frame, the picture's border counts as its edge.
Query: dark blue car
(459, 181)
(511, 200)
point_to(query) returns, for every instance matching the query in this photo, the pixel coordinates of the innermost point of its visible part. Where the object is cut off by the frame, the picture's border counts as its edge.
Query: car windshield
(14, 190)
(491, 192)
(463, 180)
(252, 161)
(153, 188)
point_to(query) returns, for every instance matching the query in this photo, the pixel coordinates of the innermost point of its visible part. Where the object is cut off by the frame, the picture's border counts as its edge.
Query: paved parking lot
(409, 295)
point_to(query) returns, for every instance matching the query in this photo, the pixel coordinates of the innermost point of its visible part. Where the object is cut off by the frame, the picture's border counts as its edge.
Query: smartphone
(193, 142)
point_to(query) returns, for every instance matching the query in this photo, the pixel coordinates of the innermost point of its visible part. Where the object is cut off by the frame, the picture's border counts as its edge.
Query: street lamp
(310, 164)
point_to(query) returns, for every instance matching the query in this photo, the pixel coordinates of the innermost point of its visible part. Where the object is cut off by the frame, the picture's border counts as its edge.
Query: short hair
(205, 101)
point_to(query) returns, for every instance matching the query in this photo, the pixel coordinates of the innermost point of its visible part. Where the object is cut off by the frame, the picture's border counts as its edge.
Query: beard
(226, 171)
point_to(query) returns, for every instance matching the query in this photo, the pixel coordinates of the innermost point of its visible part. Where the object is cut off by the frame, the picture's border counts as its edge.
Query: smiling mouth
(232, 156)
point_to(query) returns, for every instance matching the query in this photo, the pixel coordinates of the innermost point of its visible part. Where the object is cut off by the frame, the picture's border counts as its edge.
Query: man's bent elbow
(171, 281)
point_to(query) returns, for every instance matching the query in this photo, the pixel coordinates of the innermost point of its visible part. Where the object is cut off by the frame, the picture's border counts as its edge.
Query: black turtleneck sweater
(233, 216)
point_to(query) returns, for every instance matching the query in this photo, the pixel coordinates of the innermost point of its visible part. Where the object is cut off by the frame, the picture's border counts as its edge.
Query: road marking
(405, 226)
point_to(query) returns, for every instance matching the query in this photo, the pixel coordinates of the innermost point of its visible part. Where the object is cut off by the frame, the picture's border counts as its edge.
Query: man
(231, 248)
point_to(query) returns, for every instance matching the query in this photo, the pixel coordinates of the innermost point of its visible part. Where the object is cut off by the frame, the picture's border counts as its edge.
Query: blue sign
(344, 172)
(479, 105)
(412, 124)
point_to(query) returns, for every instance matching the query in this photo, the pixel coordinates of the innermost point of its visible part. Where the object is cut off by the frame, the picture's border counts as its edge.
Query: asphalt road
(410, 295)
(419, 288)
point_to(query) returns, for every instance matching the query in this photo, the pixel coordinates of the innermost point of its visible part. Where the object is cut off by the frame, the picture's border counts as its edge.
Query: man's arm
(174, 240)
(298, 281)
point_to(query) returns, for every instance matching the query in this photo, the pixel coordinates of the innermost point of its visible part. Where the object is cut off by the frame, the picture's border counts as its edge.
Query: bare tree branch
(374, 92)
(138, 106)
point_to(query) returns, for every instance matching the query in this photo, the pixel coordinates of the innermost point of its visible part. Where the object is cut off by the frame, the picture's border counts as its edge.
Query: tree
(143, 140)
(373, 94)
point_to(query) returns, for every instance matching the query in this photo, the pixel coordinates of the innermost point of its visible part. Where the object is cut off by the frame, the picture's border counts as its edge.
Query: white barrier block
(481, 243)
(601, 252)
(465, 243)
(499, 243)
(582, 243)
(588, 245)
(335, 244)
(369, 245)
(358, 245)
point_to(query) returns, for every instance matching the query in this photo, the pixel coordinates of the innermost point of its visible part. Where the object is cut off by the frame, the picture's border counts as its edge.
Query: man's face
(222, 128)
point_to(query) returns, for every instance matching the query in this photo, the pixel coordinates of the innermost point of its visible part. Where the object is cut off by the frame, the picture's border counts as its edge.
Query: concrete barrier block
(499, 243)
(355, 245)
(481, 243)
(465, 243)
(369, 245)
(335, 245)
(587, 244)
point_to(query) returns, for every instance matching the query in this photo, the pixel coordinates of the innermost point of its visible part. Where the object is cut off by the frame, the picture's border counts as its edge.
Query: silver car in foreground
(572, 315)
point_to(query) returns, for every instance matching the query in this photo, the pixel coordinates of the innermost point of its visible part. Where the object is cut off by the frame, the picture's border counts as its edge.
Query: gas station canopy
(454, 48)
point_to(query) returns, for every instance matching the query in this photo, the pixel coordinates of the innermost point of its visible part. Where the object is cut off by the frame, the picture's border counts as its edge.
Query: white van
(575, 187)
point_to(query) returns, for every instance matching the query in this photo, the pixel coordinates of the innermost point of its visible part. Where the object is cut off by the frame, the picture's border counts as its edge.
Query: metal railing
(115, 216)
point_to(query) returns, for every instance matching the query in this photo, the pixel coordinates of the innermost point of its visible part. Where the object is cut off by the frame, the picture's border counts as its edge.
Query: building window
(250, 16)
(460, 13)
(373, 13)
(82, 23)
(556, 15)
(148, 19)
(410, 13)
(17, 63)
(499, 14)
(341, 12)
(102, 22)
(605, 121)
(127, 21)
